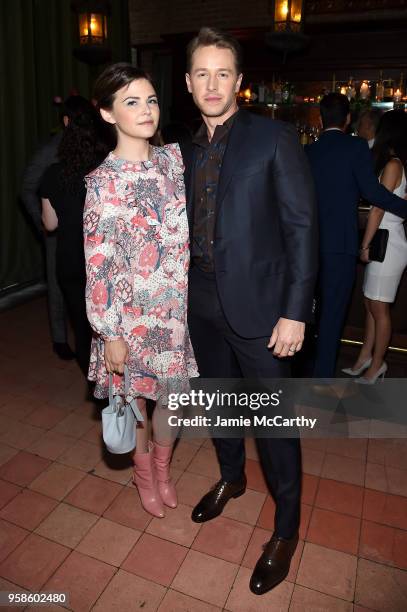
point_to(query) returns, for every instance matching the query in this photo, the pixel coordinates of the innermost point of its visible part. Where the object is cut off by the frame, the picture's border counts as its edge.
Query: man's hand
(116, 354)
(287, 337)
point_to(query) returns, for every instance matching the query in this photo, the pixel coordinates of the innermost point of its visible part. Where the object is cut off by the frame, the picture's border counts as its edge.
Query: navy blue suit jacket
(265, 247)
(343, 173)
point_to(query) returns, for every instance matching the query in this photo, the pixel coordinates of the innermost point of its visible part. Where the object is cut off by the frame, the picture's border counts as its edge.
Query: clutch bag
(378, 245)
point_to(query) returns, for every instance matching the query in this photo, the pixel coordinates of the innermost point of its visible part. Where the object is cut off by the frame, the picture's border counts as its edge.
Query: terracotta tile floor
(71, 520)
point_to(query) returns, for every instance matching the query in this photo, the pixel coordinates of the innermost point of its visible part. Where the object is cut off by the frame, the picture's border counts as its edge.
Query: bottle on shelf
(270, 96)
(388, 90)
(285, 93)
(401, 84)
(262, 92)
(351, 89)
(398, 93)
(278, 92)
(364, 91)
(303, 135)
(380, 88)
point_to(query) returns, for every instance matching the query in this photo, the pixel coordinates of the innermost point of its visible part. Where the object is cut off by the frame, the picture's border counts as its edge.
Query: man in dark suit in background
(254, 263)
(343, 173)
(44, 157)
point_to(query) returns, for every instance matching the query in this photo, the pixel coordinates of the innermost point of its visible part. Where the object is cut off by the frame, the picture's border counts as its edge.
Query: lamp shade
(92, 28)
(286, 35)
(288, 15)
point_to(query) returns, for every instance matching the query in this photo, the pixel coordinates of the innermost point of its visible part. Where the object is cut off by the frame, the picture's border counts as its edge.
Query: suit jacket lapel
(232, 155)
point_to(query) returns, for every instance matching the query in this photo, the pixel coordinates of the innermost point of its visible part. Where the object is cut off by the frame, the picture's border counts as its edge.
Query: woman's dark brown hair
(84, 143)
(390, 140)
(208, 37)
(113, 78)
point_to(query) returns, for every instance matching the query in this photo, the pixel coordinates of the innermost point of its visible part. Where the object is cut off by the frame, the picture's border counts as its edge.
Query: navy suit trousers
(336, 278)
(221, 353)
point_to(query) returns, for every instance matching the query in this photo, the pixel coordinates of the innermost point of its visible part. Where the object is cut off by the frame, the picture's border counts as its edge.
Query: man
(367, 125)
(253, 268)
(43, 158)
(343, 173)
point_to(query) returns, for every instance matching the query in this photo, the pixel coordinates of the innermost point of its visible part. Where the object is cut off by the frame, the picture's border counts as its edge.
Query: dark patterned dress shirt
(207, 172)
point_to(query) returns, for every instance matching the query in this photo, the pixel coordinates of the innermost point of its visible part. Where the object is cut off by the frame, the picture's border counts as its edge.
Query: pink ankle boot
(166, 487)
(145, 480)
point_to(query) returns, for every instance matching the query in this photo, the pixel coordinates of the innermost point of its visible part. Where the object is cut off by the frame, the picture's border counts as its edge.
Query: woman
(382, 279)
(63, 196)
(136, 249)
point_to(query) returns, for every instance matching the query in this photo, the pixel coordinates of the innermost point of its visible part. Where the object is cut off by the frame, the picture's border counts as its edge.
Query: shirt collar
(201, 136)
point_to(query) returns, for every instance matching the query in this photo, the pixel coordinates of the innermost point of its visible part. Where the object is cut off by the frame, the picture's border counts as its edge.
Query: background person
(367, 123)
(383, 278)
(31, 181)
(63, 192)
(343, 173)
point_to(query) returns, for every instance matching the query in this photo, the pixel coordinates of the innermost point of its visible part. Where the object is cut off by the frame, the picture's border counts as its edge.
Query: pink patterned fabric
(137, 258)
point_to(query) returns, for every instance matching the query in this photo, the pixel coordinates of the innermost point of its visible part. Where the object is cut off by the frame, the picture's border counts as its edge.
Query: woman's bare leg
(381, 315)
(163, 433)
(366, 349)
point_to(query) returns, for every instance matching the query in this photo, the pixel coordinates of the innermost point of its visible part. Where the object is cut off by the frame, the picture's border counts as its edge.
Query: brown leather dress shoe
(273, 565)
(212, 504)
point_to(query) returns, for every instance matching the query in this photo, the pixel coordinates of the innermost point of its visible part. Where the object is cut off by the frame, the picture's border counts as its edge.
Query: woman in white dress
(382, 279)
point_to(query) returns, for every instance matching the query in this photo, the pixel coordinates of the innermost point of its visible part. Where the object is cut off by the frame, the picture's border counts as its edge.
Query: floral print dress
(137, 258)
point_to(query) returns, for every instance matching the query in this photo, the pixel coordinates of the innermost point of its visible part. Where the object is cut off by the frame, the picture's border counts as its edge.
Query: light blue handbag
(119, 419)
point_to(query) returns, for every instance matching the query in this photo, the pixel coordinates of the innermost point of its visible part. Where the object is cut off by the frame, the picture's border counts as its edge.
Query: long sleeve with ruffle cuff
(103, 267)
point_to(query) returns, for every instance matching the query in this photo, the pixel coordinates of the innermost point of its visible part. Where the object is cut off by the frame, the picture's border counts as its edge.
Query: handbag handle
(131, 402)
(126, 384)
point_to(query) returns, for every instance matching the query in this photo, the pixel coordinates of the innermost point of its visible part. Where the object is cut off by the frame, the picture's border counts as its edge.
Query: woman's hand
(364, 255)
(116, 354)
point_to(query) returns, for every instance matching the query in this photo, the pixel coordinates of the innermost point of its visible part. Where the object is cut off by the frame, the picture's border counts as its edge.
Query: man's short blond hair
(208, 37)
